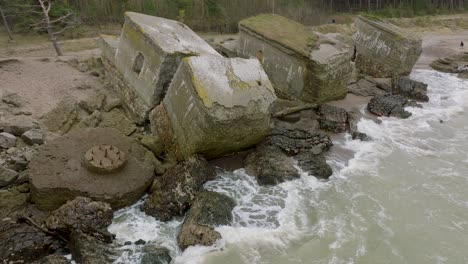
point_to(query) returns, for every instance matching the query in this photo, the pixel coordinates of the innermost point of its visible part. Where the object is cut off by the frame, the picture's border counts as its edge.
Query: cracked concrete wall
(383, 49)
(305, 68)
(149, 52)
(217, 106)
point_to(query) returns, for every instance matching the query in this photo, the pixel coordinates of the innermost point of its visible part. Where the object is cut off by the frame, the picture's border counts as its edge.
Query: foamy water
(401, 198)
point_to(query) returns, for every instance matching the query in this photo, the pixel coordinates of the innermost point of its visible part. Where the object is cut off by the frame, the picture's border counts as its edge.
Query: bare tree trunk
(53, 38)
(5, 23)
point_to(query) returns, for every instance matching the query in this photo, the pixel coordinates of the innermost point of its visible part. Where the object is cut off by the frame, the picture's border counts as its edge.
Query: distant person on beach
(461, 45)
(333, 21)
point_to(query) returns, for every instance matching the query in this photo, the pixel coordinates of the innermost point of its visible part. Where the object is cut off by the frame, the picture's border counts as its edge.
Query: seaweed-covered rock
(80, 213)
(389, 105)
(23, 243)
(210, 209)
(294, 141)
(411, 89)
(52, 259)
(88, 249)
(173, 193)
(333, 119)
(153, 254)
(270, 165)
(315, 165)
(12, 200)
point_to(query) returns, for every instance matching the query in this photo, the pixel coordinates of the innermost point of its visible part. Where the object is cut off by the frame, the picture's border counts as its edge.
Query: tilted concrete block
(383, 49)
(299, 64)
(215, 106)
(149, 52)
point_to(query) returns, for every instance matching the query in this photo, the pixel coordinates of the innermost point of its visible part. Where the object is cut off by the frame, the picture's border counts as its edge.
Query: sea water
(400, 198)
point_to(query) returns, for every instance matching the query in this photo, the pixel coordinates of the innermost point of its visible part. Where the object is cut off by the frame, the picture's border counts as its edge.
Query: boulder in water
(173, 193)
(153, 254)
(315, 165)
(88, 249)
(210, 209)
(80, 213)
(389, 105)
(411, 89)
(333, 118)
(270, 165)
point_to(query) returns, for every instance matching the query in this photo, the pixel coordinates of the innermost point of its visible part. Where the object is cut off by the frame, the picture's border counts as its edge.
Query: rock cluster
(389, 105)
(271, 162)
(173, 193)
(210, 209)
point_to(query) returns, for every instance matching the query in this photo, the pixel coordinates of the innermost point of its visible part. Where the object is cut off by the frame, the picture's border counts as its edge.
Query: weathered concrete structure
(142, 62)
(300, 64)
(383, 49)
(215, 106)
(59, 172)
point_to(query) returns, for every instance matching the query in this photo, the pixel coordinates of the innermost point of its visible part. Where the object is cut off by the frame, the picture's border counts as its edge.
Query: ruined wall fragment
(383, 49)
(298, 63)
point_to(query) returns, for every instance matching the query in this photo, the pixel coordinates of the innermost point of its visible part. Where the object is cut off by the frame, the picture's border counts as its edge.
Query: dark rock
(411, 89)
(174, 192)
(12, 99)
(80, 213)
(294, 141)
(154, 254)
(291, 118)
(388, 105)
(445, 65)
(7, 140)
(209, 209)
(140, 242)
(360, 136)
(364, 87)
(463, 75)
(11, 200)
(400, 113)
(270, 165)
(21, 242)
(333, 119)
(87, 249)
(413, 103)
(23, 177)
(18, 163)
(34, 136)
(315, 165)
(53, 259)
(127, 243)
(19, 124)
(7, 176)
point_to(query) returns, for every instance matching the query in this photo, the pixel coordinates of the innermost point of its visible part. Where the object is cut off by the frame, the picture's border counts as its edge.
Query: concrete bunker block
(215, 106)
(149, 52)
(298, 63)
(383, 49)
